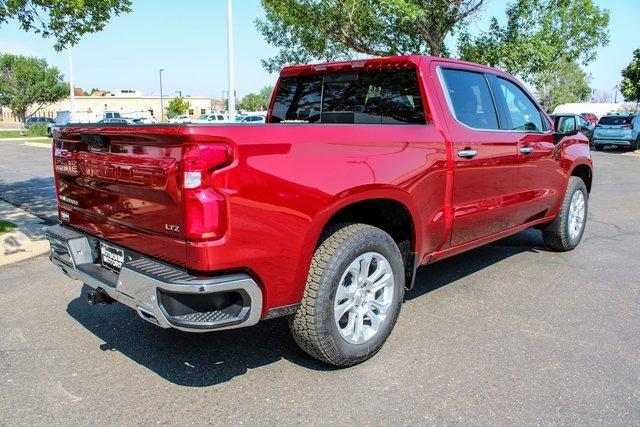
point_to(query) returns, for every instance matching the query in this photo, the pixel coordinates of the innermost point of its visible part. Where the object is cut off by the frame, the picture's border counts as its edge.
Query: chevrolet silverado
(363, 171)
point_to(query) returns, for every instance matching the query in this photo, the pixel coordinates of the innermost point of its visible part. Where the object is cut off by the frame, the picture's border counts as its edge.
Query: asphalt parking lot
(510, 333)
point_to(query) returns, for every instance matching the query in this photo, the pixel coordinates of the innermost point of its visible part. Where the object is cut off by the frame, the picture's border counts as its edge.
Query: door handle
(467, 153)
(526, 150)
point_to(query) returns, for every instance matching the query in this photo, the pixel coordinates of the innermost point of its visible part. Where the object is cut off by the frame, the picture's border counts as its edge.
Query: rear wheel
(566, 231)
(352, 297)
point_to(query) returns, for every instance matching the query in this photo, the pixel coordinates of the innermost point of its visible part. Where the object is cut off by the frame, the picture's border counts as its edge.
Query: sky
(188, 40)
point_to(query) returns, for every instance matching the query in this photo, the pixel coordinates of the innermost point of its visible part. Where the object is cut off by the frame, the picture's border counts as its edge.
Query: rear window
(366, 97)
(615, 120)
(470, 98)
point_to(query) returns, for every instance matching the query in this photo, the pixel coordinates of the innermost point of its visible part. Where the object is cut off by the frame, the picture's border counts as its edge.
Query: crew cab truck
(364, 171)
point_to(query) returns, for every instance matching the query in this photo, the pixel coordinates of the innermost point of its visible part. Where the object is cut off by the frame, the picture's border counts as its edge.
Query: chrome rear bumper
(161, 294)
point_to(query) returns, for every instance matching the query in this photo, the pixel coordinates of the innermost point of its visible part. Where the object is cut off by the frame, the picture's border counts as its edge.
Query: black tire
(313, 326)
(556, 235)
(598, 147)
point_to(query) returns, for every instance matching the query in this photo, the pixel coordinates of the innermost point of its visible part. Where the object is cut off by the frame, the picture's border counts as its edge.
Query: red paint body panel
(283, 182)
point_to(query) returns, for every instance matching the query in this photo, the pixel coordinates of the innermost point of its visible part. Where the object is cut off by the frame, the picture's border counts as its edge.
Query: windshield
(203, 117)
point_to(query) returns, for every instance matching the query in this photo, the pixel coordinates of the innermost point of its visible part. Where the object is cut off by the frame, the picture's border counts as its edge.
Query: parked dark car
(574, 120)
(36, 119)
(617, 129)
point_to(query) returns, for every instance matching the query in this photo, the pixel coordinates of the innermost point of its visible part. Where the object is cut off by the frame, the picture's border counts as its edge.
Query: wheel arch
(584, 172)
(389, 209)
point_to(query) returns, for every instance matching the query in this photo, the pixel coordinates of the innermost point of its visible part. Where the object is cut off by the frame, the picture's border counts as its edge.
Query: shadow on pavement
(434, 276)
(36, 196)
(201, 360)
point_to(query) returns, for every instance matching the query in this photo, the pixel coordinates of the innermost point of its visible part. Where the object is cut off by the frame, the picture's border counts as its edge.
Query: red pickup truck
(364, 170)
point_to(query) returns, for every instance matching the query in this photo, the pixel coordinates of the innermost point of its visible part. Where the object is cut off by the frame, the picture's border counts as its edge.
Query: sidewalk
(26, 241)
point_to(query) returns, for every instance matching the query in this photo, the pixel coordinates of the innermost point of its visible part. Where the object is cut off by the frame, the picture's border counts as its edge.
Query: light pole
(161, 100)
(232, 83)
(72, 91)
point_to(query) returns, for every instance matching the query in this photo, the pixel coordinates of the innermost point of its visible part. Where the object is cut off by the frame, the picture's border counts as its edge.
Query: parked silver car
(617, 129)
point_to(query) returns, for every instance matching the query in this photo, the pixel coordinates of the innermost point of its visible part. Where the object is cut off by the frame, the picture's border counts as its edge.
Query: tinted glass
(521, 111)
(298, 100)
(471, 99)
(375, 97)
(615, 120)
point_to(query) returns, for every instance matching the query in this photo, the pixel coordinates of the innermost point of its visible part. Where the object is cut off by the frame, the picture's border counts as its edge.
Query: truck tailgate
(118, 179)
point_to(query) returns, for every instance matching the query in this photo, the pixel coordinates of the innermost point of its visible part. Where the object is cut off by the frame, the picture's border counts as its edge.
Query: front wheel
(566, 231)
(598, 147)
(353, 295)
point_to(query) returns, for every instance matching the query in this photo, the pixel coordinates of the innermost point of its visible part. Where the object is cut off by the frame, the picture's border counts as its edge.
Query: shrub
(37, 129)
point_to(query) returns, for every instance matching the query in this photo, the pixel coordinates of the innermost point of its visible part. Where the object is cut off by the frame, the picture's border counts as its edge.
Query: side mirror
(565, 126)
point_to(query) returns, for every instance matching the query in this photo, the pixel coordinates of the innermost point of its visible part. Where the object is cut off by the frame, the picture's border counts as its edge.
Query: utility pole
(72, 92)
(232, 83)
(161, 100)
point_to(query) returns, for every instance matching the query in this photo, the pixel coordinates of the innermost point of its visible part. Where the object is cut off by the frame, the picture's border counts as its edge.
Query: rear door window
(366, 97)
(470, 98)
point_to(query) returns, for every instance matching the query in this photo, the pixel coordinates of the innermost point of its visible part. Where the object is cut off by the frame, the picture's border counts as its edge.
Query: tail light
(205, 209)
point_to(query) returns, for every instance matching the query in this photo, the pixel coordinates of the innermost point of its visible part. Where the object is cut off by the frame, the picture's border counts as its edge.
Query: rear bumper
(161, 294)
(621, 142)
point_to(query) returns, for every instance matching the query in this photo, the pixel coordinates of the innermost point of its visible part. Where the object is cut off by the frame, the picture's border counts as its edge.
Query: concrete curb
(38, 145)
(26, 241)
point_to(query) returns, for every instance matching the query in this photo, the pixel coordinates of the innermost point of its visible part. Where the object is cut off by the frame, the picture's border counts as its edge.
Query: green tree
(566, 83)
(65, 20)
(256, 101)
(308, 30)
(539, 34)
(28, 84)
(630, 86)
(177, 107)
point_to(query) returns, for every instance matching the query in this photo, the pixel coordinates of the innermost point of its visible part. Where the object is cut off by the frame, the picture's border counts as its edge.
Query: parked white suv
(181, 119)
(212, 118)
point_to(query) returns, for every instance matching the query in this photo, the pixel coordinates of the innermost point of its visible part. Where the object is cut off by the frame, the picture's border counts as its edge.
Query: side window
(470, 98)
(220, 117)
(522, 113)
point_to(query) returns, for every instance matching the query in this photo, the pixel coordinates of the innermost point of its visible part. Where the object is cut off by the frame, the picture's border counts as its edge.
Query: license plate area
(111, 257)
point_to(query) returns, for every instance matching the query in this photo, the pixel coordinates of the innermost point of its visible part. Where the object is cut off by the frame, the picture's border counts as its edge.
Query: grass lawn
(10, 134)
(16, 134)
(6, 226)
